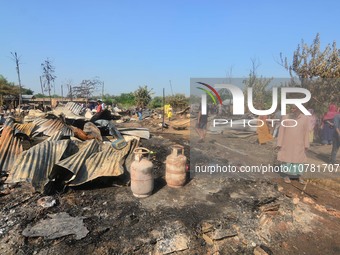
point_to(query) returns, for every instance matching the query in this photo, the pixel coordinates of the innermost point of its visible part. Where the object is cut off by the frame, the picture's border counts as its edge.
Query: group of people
(293, 142)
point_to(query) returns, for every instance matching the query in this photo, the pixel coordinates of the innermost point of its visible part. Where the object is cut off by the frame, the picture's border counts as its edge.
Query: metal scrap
(75, 108)
(35, 164)
(71, 111)
(10, 148)
(51, 126)
(61, 158)
(74, 163)
(26, 128)
(108, 162)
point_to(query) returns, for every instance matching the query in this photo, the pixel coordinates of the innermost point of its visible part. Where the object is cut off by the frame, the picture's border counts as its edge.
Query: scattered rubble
(94, 211)
(47, 202)
(60, 224)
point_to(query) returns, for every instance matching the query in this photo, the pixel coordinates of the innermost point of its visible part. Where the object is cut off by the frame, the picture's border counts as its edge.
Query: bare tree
(48, 76)
(69, 84)
(86, 88)
(259, 85)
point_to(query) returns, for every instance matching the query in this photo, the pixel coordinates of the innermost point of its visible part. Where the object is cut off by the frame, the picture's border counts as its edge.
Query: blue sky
(132, 43)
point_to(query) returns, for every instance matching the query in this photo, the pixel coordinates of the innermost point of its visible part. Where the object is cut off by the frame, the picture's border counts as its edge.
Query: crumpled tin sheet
(75, 108)
(26, 128)
(71, 111)
(50, 127)
(63, 133)
(10, 148)
(105, 163)
(75, 162)
(36, 164)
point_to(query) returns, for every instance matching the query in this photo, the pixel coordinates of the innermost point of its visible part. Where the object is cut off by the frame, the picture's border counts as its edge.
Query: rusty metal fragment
(36, 164)
(50, 127)
(10, 148)
(108, 162)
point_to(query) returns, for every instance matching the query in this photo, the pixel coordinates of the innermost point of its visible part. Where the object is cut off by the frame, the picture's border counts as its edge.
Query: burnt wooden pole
(163, 108)
(16, 59)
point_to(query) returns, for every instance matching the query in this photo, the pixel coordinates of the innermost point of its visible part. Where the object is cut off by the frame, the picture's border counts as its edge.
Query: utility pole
(171, 88)
(41, 85)
(62, 93)
(103, 91)
(163, 107)
(16, 59)
(42, 89)
(71, 97)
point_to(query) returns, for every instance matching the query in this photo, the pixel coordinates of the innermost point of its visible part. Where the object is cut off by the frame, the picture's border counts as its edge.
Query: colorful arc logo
(204, 99)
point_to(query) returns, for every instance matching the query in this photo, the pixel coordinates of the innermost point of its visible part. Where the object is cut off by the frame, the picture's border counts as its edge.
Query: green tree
(125, 99)
(143, 96)
(7, 89)
(178, 101)
(108, 99)
(40, 95)
(26, 91)
(318, 70)
(156, 102)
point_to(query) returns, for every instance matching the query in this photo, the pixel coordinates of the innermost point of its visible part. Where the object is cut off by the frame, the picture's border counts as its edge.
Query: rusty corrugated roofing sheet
(51, 126)
(25, 128)
(10, 148)
(75, 108)
(71, 111)
(35, 164)
(109, 162)
(77, 160)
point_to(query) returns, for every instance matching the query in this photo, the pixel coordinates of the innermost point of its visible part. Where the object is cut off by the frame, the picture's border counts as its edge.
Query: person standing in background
(336, 138)
(170, 113)
(201, 126)
(99, 107)
(292, 144)
(327, 129)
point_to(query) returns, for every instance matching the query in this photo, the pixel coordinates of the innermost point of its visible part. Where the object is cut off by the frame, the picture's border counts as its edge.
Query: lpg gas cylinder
(175, 171)
(142, 181)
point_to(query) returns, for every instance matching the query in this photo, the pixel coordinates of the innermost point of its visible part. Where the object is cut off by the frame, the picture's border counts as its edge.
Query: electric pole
(103, 91)
(171, 88)
(16, 59)
(62, 93)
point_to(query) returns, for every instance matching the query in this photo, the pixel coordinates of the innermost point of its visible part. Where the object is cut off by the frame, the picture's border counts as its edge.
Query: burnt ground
(209, 215)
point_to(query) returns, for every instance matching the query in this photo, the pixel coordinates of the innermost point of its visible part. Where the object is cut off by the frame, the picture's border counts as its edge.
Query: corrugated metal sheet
(109, 162)
(140, 132)
(10, 148)
(51, 126)
(77, 160)
(75, 108)
(26, 128)
(71, 111)
(57, 136)
(35, 164)
(64, 132)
